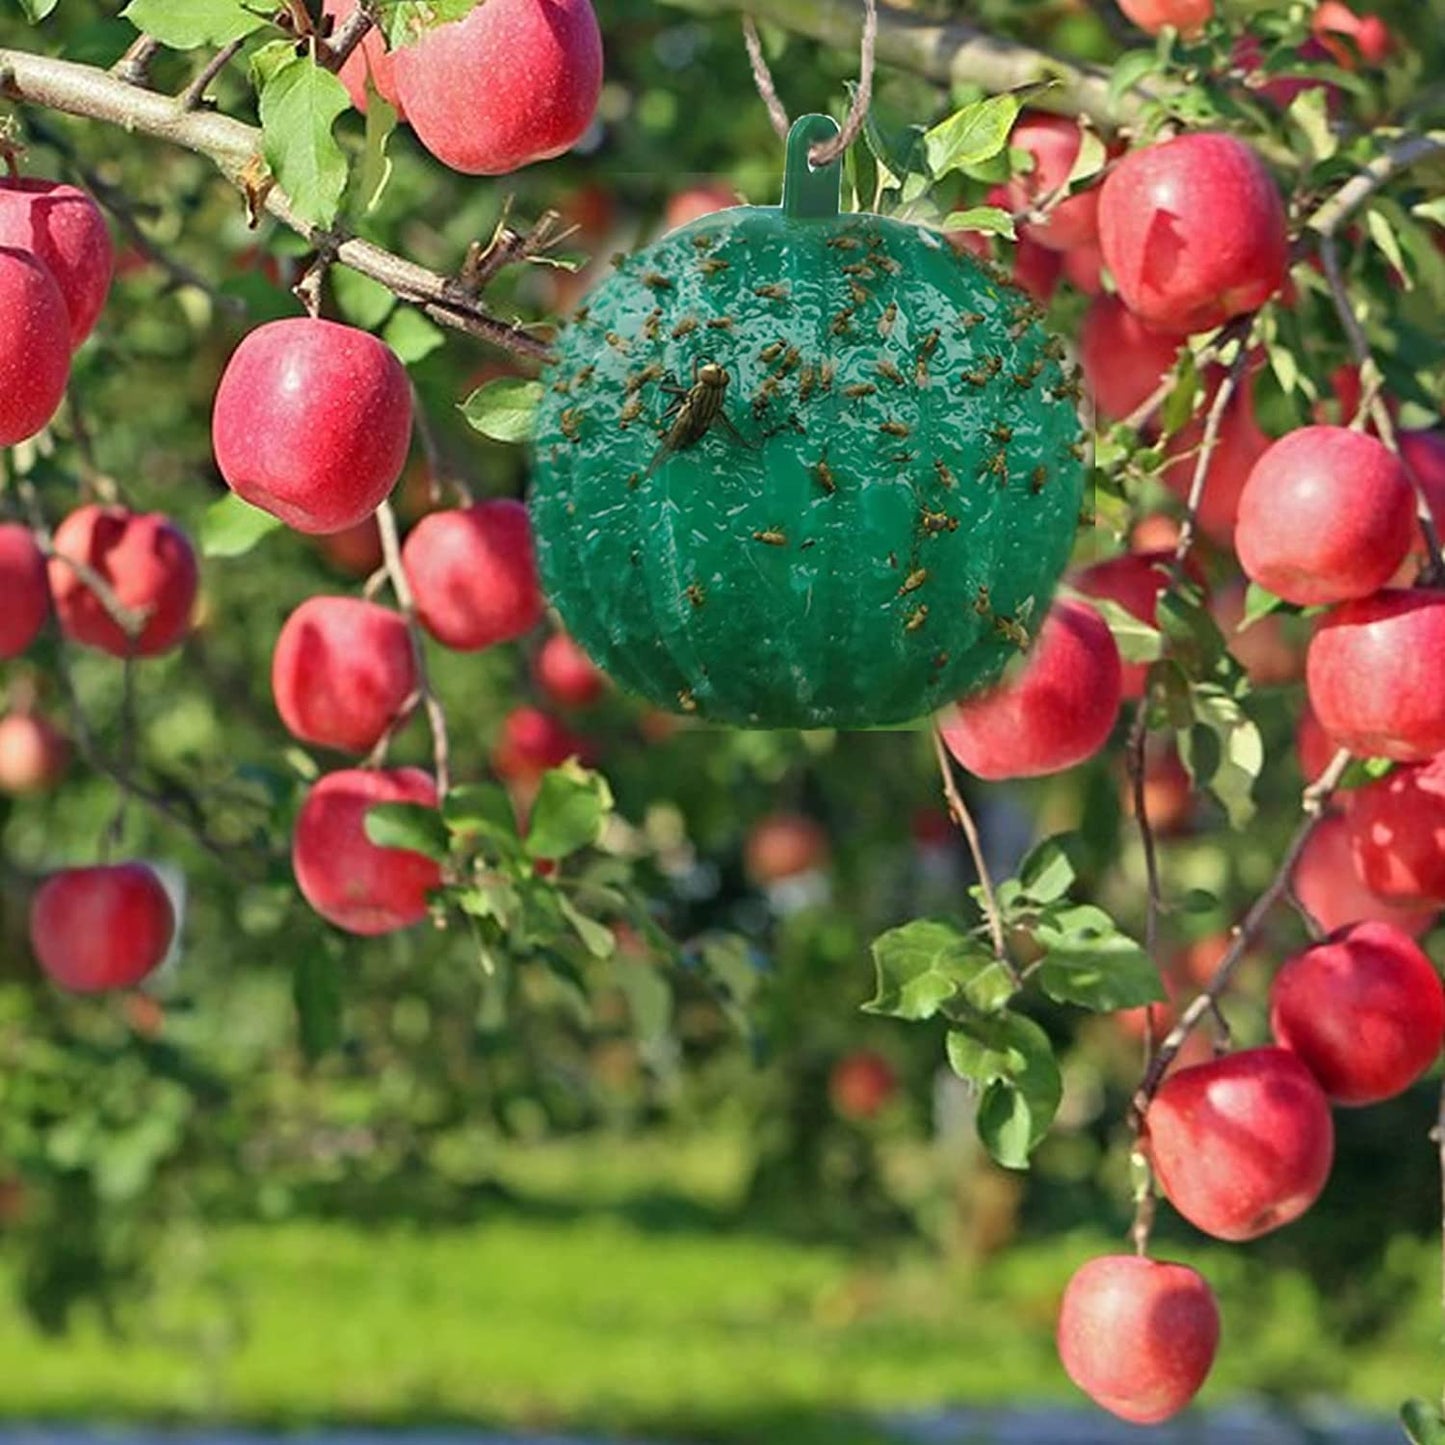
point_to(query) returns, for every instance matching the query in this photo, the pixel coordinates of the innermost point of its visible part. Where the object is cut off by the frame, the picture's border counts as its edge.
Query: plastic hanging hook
(811, 193)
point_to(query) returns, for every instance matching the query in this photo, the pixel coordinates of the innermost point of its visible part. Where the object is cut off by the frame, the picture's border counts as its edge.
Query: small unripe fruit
(102, 928)
(1243, 1144)
(25, 587)
(34, 347)
(861, 1085)
(1364, 1010)
(1375, 675)
(783, 845)
(62, 227)
(33, 755)
(150, 568)
(312, 422)
(1058, 710)
(342, 672)
(567, 675)
(1138, 1336)
(514, 82)
(1177, 264)
(345, 877)
(1326, 515)
(474, 575)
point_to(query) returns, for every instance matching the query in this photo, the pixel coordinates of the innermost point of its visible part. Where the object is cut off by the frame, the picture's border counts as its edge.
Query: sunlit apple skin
(1123, 359)
(474, 574)
(1314, 750)
(514, 82)
(345, 877)
(34, 347)
(1369, 32)
(1397, 834)
(1376, 675)
(150, 566)
(531, 742)
(369, 58)
(1058, 710)
(1138, 1336)
(1188, 17)
(342, 672)
(25, 587)
(33, 755)
(1241, 1145)
(1329, 884)
(1364, 1010)
(1177, 264)
(1327, 514)
(1054, 142)
(64, 230)
(95, 929)
(312, 422)
(567, 675)
(1239, 445)
(1134, 581)
(861, 1085)
(783, 845)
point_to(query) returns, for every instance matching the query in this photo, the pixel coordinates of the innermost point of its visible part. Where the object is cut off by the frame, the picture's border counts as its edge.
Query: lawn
(624, 1316)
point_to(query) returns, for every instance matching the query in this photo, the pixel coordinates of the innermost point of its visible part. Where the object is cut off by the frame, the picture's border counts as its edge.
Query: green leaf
(1100, 969)
(412, 336)
(1423, 1422)
(987, 220)
(571, 807)
(481, 810)
(1383, 235)
(1136, 640)
(1010, 1056)
(316, 990)
(1179, 404)
(597, 938)
(404, 20)
(1431, 210)
(1258, 602)
(492, 897)
(300, 103)
(412, 826)
(972, 135)
(897, 147)
(1129, 70)
(1309, 114)
(231, 527)
(923, 965)
(374, 174)
(1046, 875)
(1091, 157)
(36, 10)
(1224, 750)
(189, 24)
(1195, 641)
(364, 302)
(505, 409)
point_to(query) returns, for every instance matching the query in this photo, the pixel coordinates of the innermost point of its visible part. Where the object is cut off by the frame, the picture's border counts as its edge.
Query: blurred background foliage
(304, 1176)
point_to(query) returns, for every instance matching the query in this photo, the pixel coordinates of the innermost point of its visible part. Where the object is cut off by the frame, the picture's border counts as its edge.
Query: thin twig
(406, 604)
(958, 810)
(335, 52)
(134, 66)
(1409, 151)
(194, 95)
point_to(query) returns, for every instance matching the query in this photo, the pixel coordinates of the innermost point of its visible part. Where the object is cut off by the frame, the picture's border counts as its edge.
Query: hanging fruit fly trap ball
(802, 469)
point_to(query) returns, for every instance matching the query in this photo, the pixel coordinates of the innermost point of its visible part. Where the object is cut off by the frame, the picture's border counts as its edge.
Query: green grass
(615, 1319)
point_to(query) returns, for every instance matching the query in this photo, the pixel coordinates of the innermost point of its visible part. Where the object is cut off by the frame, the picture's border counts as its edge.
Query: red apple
(1238, 446)
(1326, 515)
(1134, 581)
(1057, 711)
(696, 201)
(1033, 267)
(356, 551)
(474, 574)
(150, 568)
(1054, 142)
(514, 82)
(370, 58)
(1123, 359)
(101, 928)
(1188, 17)
(1364, 1010)
(567, 675)
(783, 845)
(1243, 1144)
(1397, 833)
(531, 742)
(63, 229)
(1138, 1336)
(312, 422)
(342, 672)
(34, 347)
(33, 755)
(1314, 749)
(1328, 883)
(345, 877)
(25, 587)
(861, 1085)
(1371, 36)
(1376, 673)
(1423, 455)
(1267, 649)
(1084, 269)
(1168, 791)
(1176, 261)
